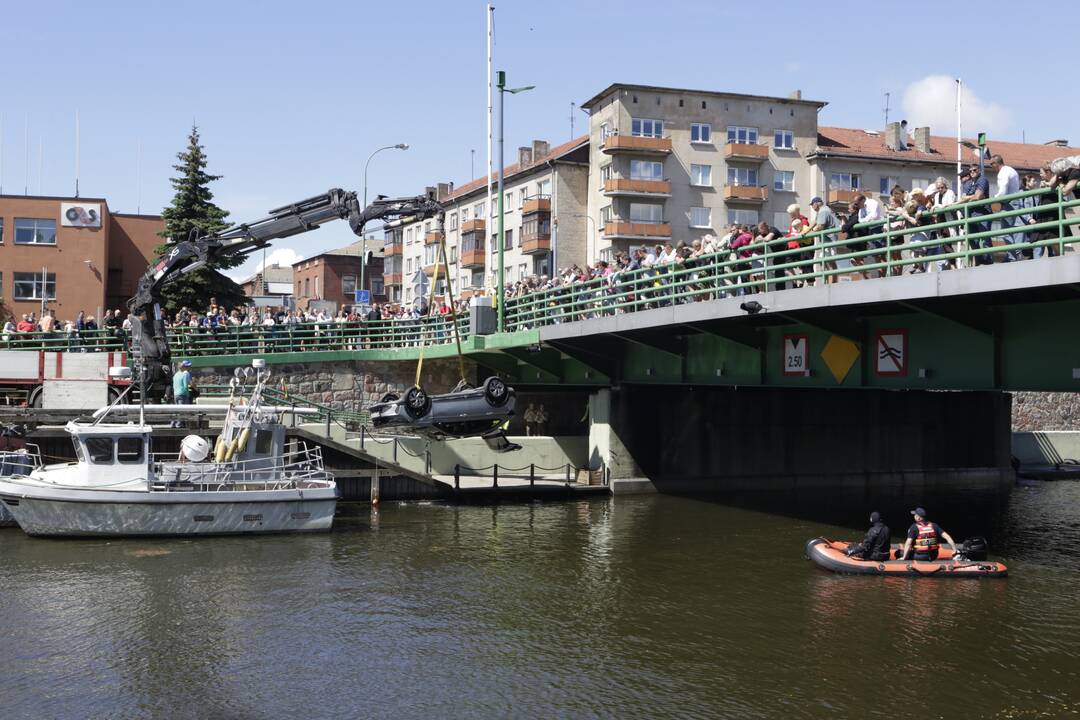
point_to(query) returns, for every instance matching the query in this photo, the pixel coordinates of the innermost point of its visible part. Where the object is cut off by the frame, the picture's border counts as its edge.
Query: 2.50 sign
(796, 355)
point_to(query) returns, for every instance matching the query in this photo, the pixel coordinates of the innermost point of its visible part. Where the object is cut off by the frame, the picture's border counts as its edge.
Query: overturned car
(465, 411)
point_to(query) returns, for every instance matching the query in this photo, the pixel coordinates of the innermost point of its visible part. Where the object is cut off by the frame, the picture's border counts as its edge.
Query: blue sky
(292, 97)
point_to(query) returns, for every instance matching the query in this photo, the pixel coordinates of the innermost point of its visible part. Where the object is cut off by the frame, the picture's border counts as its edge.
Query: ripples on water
(655, 607)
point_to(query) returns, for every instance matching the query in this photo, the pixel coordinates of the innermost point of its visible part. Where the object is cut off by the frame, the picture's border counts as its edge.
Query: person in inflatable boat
(875, 546)
(925, 536)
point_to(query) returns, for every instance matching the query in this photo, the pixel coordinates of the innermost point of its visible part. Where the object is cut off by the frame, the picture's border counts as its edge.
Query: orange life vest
(927, 540)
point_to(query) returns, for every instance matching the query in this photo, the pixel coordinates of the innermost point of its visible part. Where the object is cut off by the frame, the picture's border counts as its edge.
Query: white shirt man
(871, 211)
(1008, 181)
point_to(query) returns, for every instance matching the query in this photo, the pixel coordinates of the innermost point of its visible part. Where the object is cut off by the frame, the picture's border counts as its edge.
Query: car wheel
(417, 403)
(496, 392)
(389, 397)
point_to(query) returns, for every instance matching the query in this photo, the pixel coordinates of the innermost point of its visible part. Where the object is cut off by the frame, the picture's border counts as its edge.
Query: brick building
(74, 254)
(333, 276)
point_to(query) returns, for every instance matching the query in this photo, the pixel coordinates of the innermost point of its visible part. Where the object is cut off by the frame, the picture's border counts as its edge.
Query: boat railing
(20, 461)
(299, 465)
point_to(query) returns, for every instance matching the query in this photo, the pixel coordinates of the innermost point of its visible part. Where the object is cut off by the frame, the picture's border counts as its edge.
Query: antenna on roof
(572, 120)
(886, 109)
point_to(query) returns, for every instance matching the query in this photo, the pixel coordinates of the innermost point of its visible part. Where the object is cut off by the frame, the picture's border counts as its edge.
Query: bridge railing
(103, 340)
(956, 235)
(316, 336)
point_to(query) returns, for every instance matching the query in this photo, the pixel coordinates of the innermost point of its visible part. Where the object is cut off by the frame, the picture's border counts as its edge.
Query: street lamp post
(363, 240)
(500, 283)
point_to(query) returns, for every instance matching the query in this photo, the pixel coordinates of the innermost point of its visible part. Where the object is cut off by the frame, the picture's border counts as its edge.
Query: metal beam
(979, 319)
(607, 364)
(833, 326)
(748, 337)
(496, 361)
(664, 343)
(541, 360)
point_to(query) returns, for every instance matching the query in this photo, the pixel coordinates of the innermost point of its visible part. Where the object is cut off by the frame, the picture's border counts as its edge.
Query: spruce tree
(192, 208)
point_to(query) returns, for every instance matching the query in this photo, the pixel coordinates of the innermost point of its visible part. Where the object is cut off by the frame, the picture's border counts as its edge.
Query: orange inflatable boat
(829, 554)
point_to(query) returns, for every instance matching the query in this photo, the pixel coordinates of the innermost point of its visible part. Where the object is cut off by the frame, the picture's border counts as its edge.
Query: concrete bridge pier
(808, 444)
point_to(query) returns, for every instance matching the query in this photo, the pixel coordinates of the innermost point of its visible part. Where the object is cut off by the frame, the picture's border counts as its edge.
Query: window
(378, 287)
(783, 140)
(431, 254)
(100, 449)
(646, 170)
(508, 201)
(843, 181)
(477, 278)
(920, 183)
(742, 176)
(784, 180)
(453, 254)
(605, 131)
(887, 184)
(743, 217)
(509, 239)
(427, 227)
(478, 210)
(646, 213)
(29, 286)
(700, 217)
(606, 172)
(700, 133)
(701, 175)
(129, 449)
(408, 267)
(264, 440)
(35, 231)
(523, 271)
(521, 198)
(605, 214)
(640, 127)
(538, 225)
(453, 221)
(543, 188)
(742, 135)
(464, 215)
(348, 285)
(1, 230)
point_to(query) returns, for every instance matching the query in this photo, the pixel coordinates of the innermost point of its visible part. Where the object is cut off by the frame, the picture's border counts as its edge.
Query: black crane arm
(148, 328)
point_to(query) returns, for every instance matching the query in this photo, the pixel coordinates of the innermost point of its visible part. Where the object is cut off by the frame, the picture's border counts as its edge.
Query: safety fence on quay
(1004, 228)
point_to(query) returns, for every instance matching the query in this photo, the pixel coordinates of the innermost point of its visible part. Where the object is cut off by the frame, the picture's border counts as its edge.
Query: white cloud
(932, 101)
(282, 257)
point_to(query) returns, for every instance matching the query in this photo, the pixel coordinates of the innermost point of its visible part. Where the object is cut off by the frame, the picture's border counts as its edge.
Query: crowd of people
(81, 333)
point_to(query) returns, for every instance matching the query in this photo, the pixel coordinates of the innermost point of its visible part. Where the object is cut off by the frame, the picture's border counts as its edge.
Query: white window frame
(837, 181)
(779, 177)
(543, 188)
(701, 213)
(698, 128)
(655, 170)
(696, 171)
(654, 214)
(36, 226)
(736, 215)
(646, 127)
(742, 177)
(919, 183)
(742, 135)
(35, 282)
(786, 139)
(606, 214)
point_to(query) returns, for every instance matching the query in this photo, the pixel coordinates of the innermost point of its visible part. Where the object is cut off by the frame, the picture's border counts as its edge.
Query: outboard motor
(974, 548)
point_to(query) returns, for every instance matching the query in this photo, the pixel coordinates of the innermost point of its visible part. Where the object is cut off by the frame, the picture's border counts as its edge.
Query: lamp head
(402, 146)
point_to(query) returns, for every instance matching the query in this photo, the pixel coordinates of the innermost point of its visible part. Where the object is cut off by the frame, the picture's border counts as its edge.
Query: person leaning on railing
(975, 189)
(1068, 182)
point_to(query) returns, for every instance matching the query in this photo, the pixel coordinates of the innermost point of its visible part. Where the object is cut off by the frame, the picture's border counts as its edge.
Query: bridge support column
(607, 449)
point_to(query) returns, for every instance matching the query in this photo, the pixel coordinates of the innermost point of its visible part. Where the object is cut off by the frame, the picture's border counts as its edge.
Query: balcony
(391, 278)
(535, 243)
(472, 226)
(472, 259)
(391, 249)
(746, 151)
(614, 187)
(636, 230)
(843, 197)
(635, 144)
(429, 270)
(536, 205)
(433, 237)
(746, 193)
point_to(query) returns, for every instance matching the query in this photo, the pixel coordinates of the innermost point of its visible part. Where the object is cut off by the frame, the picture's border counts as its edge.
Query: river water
(631, 607)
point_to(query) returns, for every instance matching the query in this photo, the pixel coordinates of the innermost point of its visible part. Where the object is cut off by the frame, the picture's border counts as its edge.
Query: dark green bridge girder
(951, 344)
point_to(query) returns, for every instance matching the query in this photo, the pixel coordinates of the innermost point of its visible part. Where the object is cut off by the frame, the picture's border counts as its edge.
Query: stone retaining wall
(1033, 411)
(354, 384)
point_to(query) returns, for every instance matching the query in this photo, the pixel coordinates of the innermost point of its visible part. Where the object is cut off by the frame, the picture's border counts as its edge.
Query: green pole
(500, 289)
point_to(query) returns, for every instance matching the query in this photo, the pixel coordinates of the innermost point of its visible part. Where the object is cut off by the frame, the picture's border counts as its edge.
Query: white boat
(257, 481)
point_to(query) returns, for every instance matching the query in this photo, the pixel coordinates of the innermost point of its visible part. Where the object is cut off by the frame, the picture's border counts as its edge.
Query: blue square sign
(363, 297)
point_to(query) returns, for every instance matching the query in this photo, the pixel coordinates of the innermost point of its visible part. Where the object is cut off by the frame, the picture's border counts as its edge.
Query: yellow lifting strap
(441, 263)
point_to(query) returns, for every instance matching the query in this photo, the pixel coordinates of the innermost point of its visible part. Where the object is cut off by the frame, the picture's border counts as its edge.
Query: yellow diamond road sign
(839, 355)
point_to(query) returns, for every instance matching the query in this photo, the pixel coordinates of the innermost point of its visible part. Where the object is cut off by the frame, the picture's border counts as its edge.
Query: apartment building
(71, 254)
(546, 226)
(671, 164)
(847, 161)
(330, 279)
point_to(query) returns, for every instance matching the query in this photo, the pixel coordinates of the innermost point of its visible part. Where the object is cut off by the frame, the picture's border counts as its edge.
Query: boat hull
(55, 512)
(829, 554)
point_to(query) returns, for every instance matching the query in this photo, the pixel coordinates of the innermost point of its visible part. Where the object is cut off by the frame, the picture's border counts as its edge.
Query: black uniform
(875, 546)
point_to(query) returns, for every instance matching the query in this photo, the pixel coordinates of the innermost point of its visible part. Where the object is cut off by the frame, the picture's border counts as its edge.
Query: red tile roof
(511, 170)
(849, 142)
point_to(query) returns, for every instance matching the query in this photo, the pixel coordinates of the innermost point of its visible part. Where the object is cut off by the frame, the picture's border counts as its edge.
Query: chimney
(922, 139)
(795, 95)
(892, 136)
(540, 149)
(525, 156)
(444, 191)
